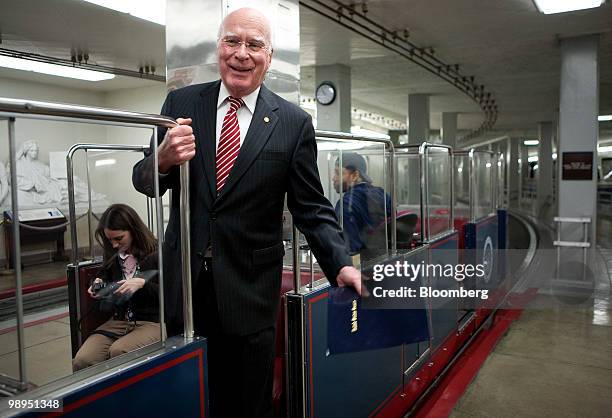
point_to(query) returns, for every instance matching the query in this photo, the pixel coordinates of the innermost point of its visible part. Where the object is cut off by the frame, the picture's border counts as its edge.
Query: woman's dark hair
(123, 217)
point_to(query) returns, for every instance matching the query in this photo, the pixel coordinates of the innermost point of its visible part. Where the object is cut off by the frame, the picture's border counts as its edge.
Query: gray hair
(269, 36)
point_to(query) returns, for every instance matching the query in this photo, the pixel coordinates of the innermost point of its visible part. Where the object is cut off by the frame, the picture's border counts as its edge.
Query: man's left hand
(351, 277)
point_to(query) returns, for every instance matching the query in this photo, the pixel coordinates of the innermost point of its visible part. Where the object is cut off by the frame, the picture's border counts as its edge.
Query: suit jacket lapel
(263, 123)
(206, 149)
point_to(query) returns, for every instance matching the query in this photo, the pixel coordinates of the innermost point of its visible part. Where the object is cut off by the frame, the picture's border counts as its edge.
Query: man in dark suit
(248, 148)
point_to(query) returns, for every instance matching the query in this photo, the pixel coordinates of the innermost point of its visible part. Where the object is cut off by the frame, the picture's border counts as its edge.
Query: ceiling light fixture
(110, 161)
(604, 118)
(151, 10)
(604, 149)
(52, 69)
(561, 6)
(531, 142)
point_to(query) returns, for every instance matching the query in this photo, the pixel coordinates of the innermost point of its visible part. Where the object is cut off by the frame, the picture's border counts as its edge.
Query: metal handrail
(71, 198)
(12, 108)
(348, 137)
(42, 110)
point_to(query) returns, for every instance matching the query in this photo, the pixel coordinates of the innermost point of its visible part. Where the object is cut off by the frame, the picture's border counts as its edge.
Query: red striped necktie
(229, 143)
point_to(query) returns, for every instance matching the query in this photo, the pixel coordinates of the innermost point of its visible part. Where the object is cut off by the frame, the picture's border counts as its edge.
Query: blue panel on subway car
(174, 383)
(355, 383)
(443, 252)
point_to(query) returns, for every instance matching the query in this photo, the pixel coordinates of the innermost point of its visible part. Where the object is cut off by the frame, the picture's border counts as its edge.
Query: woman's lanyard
(129, 269)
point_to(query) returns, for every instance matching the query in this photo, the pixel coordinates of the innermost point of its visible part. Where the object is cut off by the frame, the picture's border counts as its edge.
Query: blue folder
(351, 328)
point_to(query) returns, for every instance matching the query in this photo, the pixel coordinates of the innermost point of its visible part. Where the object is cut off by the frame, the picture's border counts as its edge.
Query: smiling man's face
(243, 70)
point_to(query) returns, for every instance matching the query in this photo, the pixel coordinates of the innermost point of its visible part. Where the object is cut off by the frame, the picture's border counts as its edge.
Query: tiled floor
(48, 353)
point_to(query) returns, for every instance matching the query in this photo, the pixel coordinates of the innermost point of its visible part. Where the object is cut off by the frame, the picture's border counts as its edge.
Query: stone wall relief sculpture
(37, 188)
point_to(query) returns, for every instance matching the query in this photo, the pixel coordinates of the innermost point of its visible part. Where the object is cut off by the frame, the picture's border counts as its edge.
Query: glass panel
(52, 332)
(484, 184)
(438, 190)
(501, 181)
(123, 230)
(354, 177)
(408, 197)
(462, 188)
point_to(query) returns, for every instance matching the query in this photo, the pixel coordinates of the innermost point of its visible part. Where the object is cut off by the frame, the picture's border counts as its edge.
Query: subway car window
(438, 191)
(408, 198)
(88, 250)
(483, 163)
(355, 178)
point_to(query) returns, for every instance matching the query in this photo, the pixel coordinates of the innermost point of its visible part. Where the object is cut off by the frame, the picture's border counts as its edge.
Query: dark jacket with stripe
(244, 222)
(145, 301)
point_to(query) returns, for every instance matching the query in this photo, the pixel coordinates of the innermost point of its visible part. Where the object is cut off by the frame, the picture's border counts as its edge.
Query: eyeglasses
(251, 46)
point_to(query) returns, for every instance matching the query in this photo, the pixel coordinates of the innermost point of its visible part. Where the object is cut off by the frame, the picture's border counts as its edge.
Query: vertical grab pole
(89, 210)
(451, 159)
(186, 251)
(72, 209)
(17, 255)
(296, 260)
(393, 198)
(472, 185)
(424, 234)
(160, 234)
(73, 232)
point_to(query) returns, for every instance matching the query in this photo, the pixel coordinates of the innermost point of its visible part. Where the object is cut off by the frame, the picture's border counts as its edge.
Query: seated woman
(127, 287)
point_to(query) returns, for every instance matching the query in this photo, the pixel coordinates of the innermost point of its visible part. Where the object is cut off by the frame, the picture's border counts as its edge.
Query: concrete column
(544, 207)
(513, 171)
(337, 115)
(524, 168)
(418, 118)
(448, 132)
(524, 161)
(394, 135)
(578, 128)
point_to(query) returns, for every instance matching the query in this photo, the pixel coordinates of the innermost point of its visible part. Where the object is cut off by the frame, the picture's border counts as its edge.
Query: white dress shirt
(245, 113)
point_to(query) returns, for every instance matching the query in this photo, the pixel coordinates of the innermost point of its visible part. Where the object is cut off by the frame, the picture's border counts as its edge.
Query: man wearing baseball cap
(365, 207)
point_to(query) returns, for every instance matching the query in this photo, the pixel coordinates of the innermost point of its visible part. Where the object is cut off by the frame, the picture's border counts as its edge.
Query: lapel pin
(266, 119)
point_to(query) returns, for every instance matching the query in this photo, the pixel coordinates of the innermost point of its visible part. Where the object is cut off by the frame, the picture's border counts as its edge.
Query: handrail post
(296, 260)
(186, 251)
(17, 255)
(89, 210)
(393, 199)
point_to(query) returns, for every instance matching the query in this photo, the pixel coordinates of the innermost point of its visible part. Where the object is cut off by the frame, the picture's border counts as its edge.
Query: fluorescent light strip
(110, 161)
(605, 149)
(530, 142)
(604, 118)
(358, 130)
(53, 69)
(151, 10)
(560, 6)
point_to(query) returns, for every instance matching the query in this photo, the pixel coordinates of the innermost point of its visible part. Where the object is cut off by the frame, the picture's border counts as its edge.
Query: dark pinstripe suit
(243, 223)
